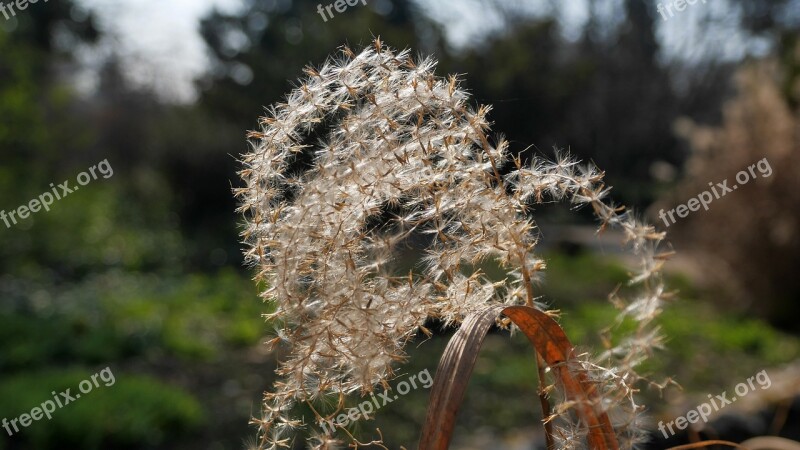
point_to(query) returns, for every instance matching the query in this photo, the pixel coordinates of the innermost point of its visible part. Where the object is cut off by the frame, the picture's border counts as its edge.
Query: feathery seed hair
(368, 151)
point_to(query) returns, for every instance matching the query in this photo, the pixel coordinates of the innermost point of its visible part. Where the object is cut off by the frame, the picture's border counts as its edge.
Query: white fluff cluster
(367, 152)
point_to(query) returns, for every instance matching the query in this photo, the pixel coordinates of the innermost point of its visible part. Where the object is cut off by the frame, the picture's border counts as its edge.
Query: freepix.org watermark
(14, 6)
(678, 5)
(720, 190)
(703, 411)
(364, 409)
(339, 5)
(62, 399)
(45, 200)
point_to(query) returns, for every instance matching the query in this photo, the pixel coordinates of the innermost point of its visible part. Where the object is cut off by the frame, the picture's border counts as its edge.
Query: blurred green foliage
(123, 320)
(132, 411)
(98, 228)
(116, 316)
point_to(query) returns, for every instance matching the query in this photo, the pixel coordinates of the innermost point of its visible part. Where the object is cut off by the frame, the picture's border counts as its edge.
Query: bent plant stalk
(550, 343)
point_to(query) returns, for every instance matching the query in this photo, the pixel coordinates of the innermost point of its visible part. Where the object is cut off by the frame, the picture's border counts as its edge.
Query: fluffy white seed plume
(367, 152)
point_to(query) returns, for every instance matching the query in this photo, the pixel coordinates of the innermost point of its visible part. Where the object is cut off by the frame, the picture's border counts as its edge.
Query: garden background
(142, 272)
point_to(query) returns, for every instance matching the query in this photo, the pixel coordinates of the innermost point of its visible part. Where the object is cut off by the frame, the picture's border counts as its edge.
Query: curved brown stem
(550, 342)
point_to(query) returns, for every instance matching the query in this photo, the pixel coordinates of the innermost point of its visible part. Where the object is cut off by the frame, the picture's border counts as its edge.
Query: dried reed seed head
(365, 153)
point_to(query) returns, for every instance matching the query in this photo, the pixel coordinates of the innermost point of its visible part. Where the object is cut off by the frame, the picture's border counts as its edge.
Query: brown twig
(548, 425)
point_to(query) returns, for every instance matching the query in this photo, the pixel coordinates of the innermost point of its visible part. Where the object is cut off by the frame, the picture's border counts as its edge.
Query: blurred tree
(54, 28)
(779, 22)
(749, 246)
(604, 96)
(259, 50)
(39, 130)
(34, 101)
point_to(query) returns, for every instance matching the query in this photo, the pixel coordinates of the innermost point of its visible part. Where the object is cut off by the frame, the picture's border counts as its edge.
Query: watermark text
(719, 190)
(677, 5)
(46, 199)
(365, 408)
(14, 6)
(339, 5)
(704, 411)
(62, 399)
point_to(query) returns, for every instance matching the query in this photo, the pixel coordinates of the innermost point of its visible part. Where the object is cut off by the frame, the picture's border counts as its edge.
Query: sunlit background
(141, 271)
